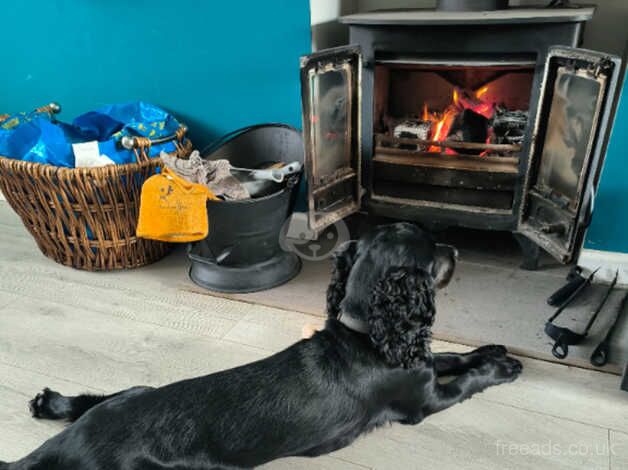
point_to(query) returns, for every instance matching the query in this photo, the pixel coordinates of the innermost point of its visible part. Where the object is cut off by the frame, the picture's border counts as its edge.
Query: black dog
(371, 365)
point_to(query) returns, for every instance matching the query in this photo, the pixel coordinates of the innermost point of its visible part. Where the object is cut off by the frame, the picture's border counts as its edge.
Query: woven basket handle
(141, 145)
(52, 108)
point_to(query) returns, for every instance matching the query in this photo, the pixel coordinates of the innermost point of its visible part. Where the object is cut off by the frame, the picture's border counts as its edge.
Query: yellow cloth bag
(173, 209)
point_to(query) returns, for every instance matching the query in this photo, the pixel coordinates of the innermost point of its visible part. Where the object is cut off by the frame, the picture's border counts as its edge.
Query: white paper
(86, 154)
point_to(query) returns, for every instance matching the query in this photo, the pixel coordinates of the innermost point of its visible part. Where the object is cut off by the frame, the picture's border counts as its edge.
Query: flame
(481, 92)
(461, 100)
(485, 109)
(441, 130)
(476, 103)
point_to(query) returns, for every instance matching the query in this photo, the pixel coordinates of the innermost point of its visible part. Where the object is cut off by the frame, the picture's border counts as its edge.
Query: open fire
(475, 107)
(472, 117)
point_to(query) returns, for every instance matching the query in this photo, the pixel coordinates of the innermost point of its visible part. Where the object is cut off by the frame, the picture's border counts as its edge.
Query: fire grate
(386, 143)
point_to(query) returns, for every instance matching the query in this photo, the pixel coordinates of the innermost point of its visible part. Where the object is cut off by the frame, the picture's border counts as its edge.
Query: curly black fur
(312, 398)
(387, 279)
(401, 316)
(342, 262)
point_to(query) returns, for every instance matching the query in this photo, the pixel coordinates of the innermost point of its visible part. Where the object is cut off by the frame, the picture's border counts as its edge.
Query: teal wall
(217, 65)
(609, 228)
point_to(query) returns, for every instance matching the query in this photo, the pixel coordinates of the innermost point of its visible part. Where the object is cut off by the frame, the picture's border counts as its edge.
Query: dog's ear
(342, 263)
(444, 264)
(401, 316)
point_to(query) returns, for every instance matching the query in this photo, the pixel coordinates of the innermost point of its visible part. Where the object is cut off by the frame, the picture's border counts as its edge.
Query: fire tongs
(564, 337)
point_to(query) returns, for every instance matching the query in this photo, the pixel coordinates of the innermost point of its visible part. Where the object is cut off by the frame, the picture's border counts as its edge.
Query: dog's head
(387, 279)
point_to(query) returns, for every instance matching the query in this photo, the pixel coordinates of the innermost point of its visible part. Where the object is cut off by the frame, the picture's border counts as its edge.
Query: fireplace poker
(565, 337)
(600, 356)
(574, 280)
(573, 294)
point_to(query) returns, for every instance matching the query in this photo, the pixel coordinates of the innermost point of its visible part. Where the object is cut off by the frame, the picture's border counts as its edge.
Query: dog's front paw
(46, 404)
(491, 350)
(506, 369)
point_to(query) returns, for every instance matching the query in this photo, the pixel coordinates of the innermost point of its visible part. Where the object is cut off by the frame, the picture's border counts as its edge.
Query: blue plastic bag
(36, 137)
(33, 137)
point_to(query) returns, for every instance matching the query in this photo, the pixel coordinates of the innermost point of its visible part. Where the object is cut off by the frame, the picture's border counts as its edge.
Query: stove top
(439, 17)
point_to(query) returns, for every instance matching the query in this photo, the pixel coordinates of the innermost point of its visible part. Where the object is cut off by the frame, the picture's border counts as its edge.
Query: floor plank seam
(113, 314)
(54, 377)
(511, 269)
(609, 369)
(259, 348)
(91, 283)
(551, 415)
(17, 392)
(340, 459)
(610, 450)
(218, 295)
(8, 304)
(229, 330)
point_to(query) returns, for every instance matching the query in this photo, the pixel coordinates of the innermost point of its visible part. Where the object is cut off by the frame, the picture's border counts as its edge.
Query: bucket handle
(215, 145)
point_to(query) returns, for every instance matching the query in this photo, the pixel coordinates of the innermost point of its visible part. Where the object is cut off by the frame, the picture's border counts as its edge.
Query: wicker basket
(86, 217)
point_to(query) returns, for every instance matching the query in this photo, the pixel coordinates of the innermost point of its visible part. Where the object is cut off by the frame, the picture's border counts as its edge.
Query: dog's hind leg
(49, 404)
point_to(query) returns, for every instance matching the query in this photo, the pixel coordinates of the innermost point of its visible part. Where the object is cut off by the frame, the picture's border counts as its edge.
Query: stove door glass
(566, 158)
(330, 82)
(570, 132)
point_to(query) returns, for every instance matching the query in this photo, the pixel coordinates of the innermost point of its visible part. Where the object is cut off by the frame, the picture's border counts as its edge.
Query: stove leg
(624, 380)
(531, 252)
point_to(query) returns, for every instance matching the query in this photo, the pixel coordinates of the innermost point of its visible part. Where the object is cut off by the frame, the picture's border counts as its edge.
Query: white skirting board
(608, 262)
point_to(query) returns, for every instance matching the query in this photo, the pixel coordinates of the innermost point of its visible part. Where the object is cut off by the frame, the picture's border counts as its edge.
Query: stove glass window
(331, 121)
(569, 136)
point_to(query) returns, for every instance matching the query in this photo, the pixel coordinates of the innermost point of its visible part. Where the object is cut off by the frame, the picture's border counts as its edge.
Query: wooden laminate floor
(76, 331)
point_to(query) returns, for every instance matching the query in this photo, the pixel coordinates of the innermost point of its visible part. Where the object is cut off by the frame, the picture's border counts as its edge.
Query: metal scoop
(272, 174)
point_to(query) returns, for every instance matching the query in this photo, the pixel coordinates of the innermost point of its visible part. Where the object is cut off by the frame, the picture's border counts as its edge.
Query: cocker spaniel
(370, 365)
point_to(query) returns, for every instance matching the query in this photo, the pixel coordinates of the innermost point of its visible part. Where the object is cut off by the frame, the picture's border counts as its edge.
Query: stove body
(462, 76)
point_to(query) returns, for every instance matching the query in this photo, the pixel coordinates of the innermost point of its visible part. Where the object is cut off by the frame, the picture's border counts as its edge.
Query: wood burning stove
(490, 120)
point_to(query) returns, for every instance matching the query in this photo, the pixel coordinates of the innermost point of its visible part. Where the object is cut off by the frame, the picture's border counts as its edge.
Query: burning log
(509, 126)
(470, 119)
(469, 126)
(413, 129)
(464, 120)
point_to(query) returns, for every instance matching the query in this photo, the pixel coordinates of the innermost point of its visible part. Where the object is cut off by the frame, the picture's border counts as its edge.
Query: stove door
(330, 94)
(567, 152)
